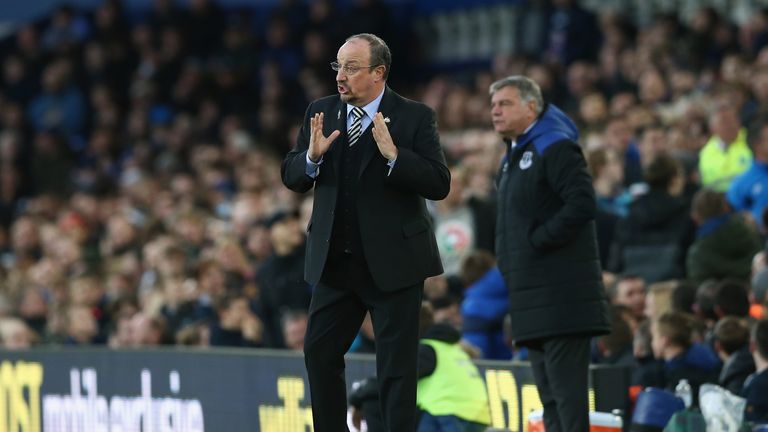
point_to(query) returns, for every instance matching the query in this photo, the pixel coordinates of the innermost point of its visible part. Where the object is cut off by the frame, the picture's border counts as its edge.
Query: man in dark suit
(373, 158)
(546, 248)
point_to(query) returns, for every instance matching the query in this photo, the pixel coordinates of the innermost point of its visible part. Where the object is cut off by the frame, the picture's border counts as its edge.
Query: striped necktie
(354, 132)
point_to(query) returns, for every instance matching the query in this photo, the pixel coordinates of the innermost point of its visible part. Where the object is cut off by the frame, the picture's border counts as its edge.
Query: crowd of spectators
(141, 202)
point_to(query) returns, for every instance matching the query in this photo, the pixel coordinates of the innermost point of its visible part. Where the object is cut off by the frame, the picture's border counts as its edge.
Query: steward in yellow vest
(721, 160)
(451, 391)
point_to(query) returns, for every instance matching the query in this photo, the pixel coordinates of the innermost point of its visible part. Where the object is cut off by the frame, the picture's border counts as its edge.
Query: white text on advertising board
(85, 410)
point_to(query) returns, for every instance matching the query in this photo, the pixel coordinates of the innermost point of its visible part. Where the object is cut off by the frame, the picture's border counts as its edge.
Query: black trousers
(339, 303)
(561, 370)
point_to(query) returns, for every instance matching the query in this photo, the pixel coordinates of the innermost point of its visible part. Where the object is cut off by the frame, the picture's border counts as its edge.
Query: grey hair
(528, 89)
(380, 54)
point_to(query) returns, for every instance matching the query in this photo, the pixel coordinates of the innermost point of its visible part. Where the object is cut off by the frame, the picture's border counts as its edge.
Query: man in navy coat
(547, 249)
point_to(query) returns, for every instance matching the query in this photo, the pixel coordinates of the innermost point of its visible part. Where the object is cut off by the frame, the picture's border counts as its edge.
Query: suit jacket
(397, 234)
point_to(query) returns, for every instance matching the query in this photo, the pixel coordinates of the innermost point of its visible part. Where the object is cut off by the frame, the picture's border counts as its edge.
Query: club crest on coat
(527, 160)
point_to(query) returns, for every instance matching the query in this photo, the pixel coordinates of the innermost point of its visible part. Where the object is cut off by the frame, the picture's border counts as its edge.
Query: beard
(346, 95)
(348, 98)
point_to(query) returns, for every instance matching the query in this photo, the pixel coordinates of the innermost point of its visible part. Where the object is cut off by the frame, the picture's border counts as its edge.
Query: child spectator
(731, 339)
(676, 357)
(756, 386)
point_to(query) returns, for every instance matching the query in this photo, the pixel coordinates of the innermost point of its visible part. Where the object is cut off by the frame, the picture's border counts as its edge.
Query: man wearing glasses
(373, 158)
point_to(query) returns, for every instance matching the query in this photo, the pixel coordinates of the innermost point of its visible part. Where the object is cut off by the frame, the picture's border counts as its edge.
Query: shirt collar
(530, 126)
(371, 109)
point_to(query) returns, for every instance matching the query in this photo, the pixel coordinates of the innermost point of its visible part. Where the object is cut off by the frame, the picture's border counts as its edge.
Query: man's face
(294, 333)
(614, 167)
(238, 310)
(725, 124)
(510, 115)
(618, 134)
(82, 325)
(287, 233)
(449, 315)
(359, 86)
(650, 306)
(16, 335)
(653, 142)
(631, 293)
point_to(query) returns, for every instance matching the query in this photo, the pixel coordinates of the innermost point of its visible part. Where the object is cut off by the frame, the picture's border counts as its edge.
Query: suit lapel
(339, 116)
(370, 149)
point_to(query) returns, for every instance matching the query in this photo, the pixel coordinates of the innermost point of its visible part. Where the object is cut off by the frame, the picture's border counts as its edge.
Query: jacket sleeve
(423, 169)
(566, 173)
(364, 390)
(427, 361)
(294, 167)
(738, 196)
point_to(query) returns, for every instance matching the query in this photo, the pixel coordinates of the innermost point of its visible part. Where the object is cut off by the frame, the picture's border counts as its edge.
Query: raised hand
(383, 138)
(319, 144)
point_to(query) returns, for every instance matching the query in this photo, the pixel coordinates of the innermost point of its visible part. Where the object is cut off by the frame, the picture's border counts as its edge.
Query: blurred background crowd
(141, 201)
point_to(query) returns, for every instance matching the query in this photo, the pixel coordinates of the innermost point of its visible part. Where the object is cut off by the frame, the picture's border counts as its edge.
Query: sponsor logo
(24, 409)
(290, 416)
(85, 410)
(511, 402)
(20, 385)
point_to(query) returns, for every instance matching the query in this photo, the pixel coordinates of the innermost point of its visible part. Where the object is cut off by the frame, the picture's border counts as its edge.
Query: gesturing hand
(319, 144)
(383, 139)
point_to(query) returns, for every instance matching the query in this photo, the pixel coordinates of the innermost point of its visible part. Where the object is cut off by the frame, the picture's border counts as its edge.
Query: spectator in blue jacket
(485, 304)
(749, 191)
